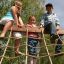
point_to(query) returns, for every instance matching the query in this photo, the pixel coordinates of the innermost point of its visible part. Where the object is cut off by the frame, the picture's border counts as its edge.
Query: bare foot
(2, 36)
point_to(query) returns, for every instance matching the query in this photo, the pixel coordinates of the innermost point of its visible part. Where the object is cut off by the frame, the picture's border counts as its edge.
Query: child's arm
(14, 12)
(42, 25)
(57, 23)
(20, 22)
(28, 25)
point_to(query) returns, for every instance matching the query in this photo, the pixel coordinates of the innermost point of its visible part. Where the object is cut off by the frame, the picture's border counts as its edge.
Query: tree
(30, 7)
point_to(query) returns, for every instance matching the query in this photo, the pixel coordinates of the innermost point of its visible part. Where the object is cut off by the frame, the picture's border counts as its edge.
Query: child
(51, 24)
(12, 16)
(32, 42)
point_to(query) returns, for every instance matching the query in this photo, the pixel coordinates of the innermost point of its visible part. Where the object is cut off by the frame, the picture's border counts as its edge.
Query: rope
(6, 47)
(32, 56)
(26, 54)
(47, 49)
(31, 46)
(26, 47)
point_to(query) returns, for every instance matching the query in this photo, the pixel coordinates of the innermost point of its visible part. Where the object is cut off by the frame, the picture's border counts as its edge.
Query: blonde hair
(18, 3)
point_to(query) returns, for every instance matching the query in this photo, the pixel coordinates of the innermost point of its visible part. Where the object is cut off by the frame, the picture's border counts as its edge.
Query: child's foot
(18, 53)
(2, 36)
(59, 54)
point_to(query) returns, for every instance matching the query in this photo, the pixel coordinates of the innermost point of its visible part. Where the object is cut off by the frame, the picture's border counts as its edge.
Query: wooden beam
(24, 28)
(60, 31)
(36, 29)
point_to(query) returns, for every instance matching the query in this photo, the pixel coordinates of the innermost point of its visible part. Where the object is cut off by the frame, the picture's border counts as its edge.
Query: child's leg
(30, 60)
(52, 39)
(32, 50)
(17, 36)
(59, 44)
(34, 61)
(17, 45)
(6, 27)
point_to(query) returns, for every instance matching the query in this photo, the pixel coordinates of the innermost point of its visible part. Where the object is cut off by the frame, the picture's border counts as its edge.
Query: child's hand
(18, 25)
(28, 26)
(57, 28)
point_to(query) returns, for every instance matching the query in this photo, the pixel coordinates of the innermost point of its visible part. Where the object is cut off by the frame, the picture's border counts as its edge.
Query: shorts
(32, 46)
(6, 19)
(17, 35)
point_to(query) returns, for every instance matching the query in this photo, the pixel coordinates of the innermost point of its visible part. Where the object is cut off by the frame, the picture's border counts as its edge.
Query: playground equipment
(26, 30)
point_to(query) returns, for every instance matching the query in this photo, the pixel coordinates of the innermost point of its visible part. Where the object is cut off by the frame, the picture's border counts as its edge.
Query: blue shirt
(8, 16)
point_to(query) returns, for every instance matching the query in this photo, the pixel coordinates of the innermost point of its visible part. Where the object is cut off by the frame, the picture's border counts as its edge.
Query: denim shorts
(32, 46)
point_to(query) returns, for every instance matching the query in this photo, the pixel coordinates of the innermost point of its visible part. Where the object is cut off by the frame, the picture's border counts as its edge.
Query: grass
(21, 59)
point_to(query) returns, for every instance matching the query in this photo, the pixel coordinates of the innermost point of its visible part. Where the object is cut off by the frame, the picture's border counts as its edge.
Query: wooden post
(26, 46)
(47, 49)
(6, 47)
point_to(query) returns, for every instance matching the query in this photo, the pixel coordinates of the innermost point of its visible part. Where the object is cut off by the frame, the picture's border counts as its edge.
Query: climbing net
(25, 54)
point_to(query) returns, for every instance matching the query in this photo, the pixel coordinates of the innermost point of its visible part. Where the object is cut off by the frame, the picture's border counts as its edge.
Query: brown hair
(49, 4)
(31, 18)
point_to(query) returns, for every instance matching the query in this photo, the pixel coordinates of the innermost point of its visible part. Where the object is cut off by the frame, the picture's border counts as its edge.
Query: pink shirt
(32, 34)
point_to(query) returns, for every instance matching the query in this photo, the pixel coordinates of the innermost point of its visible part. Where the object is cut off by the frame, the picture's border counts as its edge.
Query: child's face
(18, 6)
(32, 20)
(49, 9)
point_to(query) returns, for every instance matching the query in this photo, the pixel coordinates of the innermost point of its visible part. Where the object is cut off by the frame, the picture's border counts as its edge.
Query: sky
(58, 9)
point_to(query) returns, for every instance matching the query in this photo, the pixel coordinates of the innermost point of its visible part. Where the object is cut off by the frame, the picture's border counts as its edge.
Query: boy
(51, 24)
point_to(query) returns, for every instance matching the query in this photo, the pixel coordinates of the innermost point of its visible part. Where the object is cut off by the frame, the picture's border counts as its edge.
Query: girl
(32, 42)
(12, 16)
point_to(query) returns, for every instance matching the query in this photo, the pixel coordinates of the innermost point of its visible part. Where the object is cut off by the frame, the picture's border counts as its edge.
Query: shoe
(59, 54)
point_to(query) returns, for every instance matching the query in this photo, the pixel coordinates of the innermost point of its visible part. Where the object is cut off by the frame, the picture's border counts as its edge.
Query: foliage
(30, 7)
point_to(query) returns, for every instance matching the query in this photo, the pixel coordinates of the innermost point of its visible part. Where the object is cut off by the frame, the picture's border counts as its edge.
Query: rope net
(45, 52)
